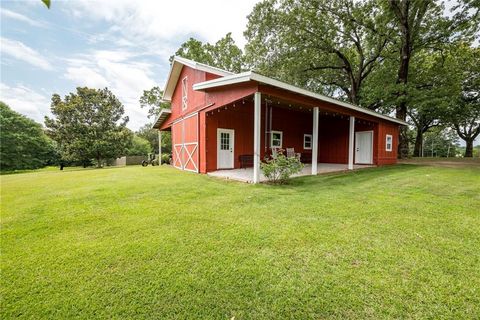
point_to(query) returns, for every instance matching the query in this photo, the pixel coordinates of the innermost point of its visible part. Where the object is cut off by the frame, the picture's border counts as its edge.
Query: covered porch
(247, 174)
(245, 131)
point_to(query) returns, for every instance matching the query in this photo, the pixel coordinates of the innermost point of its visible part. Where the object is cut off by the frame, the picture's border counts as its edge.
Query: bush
(166, 157)
(279, 169)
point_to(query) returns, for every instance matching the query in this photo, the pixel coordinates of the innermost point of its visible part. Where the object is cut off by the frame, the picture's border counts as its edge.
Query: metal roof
(164, 114)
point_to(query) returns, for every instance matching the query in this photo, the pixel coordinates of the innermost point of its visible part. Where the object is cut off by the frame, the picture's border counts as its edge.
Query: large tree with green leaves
(420, 25)
(326, 46)
(151, 135)
(24, 144)
(152, 100)
(139, 147)
(89, 124)
(224, 54)
(463, 111)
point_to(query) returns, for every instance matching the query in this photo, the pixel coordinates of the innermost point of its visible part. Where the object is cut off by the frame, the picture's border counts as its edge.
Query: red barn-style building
(222, 121)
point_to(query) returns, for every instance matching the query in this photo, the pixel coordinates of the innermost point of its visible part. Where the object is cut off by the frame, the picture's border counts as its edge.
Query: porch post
(256, 136)
(351, 142)
(315, 141)
(159, 147)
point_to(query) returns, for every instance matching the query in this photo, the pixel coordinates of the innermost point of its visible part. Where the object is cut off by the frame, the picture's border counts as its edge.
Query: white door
(364, 147)
(225, 140)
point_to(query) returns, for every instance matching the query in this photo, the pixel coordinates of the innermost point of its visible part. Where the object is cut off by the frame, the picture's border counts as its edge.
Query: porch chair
(274, 153)
(291, 153)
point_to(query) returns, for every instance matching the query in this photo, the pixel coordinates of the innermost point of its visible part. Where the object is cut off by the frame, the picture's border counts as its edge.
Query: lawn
(392, 242)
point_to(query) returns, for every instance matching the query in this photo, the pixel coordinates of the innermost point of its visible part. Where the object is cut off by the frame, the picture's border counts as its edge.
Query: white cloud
(25, 101)
(20, 51)
(85, 76)
(20, 17)
(159, 26)
(121, 71)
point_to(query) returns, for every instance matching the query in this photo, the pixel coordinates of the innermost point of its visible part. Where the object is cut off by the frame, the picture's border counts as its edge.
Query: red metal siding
(195, 99)
(387, 157)
(185, 143)
(201, 129)
(239, 119)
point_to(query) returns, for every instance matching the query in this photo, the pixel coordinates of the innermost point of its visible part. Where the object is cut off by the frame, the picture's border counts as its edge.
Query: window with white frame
(276, 138)
(307, 141)
(184, 93)
(388, 142)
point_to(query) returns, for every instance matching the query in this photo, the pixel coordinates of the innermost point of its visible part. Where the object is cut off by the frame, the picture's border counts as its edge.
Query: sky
(120, 44)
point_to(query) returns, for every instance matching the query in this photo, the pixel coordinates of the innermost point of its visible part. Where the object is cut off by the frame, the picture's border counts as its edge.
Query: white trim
(164, 114)
(386, 143)
(159, 148)
(316, 117)
(176, 69)
(190, 154)
(185, 117)
(201, 66)
(257, 118)
(271, 139)
(351, 142)
(371, 148)
(184, 93)
(252, 76)
(177, 158)
(311, 141)
(232, 146)
(179, 148)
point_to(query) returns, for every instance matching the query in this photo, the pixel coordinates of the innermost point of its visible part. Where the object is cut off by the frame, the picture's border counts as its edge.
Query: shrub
(280, 168)
(166, 158)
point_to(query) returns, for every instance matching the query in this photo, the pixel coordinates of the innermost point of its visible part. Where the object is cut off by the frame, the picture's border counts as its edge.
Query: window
(184, 93)
(224, 141)
(307, 141)
(276, 139)
(388, 142)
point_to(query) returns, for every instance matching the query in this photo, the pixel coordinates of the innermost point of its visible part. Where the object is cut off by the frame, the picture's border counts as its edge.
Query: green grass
(392, 242)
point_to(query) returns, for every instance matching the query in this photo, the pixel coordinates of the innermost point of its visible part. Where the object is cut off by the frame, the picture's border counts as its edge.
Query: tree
(463, 111)
(89, 124)
(326, 46)
(421, 24)
(431, 87)
(151, 135)
(440, 142)
(152, 99)
(139, 147)
(24, 144)
(224, 54)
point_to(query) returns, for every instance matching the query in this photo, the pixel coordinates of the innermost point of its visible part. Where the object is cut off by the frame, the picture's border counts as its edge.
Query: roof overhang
(162, 117)
(252, 76)
(176, 69)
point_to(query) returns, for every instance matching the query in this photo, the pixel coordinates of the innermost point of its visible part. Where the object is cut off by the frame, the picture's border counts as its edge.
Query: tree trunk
(402, 76)
(99, 159)
(417, 152)
(401, 110)
(469, 148)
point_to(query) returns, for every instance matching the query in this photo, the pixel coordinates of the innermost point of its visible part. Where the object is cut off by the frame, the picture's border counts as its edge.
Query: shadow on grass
(325, 181)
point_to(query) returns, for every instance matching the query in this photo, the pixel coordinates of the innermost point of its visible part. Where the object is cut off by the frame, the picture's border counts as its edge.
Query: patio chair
(274, 153)
(291, 153)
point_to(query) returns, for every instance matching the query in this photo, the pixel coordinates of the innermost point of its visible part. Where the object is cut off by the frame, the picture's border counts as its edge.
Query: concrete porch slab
(246, 175)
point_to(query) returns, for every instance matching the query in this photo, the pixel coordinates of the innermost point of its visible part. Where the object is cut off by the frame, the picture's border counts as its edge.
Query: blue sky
(119, 44)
